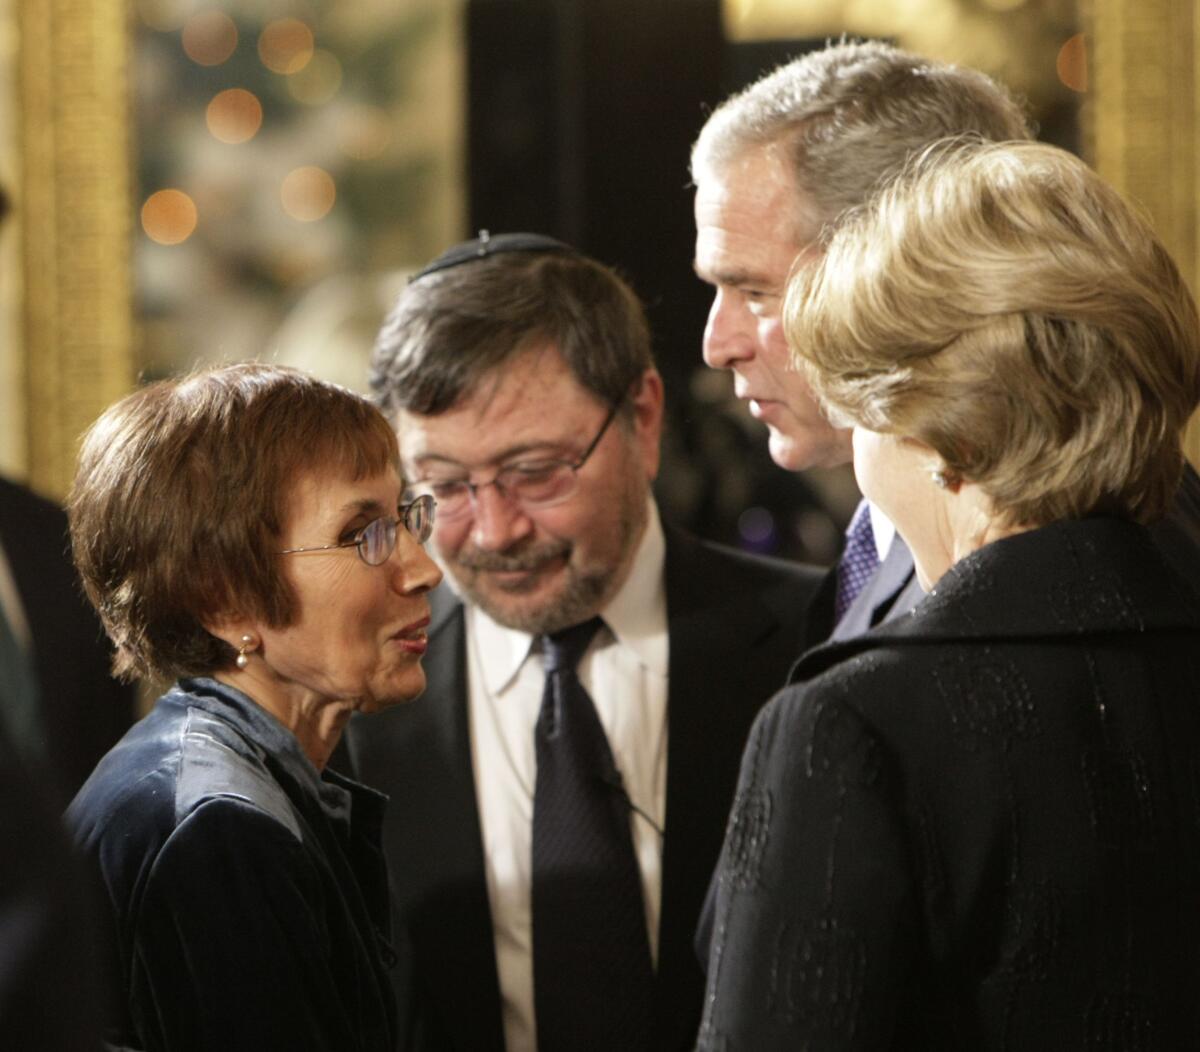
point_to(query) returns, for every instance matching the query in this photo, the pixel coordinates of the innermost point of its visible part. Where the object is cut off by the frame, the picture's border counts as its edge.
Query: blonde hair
(1005, 306)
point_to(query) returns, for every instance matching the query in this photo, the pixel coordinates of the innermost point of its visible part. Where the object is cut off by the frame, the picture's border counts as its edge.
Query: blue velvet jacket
(248, 892)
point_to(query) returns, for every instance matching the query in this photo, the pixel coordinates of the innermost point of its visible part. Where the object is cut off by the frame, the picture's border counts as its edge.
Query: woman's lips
(412, 637)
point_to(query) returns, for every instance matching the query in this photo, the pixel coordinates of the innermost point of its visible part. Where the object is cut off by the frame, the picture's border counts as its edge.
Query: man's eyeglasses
(535, 484)
(377, 539)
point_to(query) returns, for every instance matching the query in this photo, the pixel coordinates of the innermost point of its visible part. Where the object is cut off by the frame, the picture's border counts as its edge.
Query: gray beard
(580, 599)
(582, 596)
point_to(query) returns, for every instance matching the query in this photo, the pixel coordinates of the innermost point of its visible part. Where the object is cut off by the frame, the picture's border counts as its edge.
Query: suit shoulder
(165, 768)
(816, 728)
(720, 560)
(865, 681)
(28, 503)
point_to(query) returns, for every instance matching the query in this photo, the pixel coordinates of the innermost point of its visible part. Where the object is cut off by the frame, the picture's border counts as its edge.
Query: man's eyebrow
(543, 447)
(734, 278)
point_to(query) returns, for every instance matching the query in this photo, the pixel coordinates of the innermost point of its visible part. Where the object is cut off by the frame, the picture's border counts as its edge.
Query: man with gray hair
(774, 166)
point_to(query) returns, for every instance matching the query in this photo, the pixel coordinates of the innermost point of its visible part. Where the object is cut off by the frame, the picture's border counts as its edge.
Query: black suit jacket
(735, 624)
(84, 710)
(50, 968)
(975, 827)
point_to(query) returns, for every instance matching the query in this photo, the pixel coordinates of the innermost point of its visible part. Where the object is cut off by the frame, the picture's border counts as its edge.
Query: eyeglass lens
(418, 517)
(532, 487)
(378, 538)
(377, 541)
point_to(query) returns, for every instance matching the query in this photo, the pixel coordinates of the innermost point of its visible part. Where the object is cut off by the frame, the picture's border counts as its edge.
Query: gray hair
(851, 114)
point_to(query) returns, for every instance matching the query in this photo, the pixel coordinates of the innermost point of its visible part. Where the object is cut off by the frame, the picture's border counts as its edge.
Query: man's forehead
(523, 414)
(751, 221)
(742, 252)
(758, 172)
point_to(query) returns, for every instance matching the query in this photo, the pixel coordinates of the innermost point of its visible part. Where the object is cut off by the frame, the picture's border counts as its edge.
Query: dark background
(581, 117)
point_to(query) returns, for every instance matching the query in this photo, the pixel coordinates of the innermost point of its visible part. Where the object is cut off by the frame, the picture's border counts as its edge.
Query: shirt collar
(636, 616)
(276, 744)
(882, 530)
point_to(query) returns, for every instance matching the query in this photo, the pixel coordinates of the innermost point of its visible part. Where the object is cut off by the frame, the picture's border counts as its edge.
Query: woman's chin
(395, 694)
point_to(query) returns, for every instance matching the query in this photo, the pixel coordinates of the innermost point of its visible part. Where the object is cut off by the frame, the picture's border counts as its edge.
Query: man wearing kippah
(559, 794)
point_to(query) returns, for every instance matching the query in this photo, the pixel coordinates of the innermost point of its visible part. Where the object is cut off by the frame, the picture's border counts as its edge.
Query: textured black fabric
(248, 894)
(735, 624)
(593, 980)
(976, 827)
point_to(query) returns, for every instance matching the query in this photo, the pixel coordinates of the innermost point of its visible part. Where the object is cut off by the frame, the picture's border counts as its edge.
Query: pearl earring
(242, 660)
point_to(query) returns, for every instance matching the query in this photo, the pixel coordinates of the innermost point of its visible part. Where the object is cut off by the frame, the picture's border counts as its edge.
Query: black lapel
(719, 630)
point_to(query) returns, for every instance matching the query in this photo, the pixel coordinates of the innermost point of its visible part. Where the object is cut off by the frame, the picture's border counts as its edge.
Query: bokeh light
(209, 37)
(234, 115)
(285, 45)
(365, 133)
(1072, 64)
(169, 217)
(308, 193)
(756, 528)
(318, 81)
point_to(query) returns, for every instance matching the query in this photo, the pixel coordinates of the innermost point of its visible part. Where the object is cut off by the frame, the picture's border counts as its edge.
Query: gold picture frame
(77, 345)
(74, 203)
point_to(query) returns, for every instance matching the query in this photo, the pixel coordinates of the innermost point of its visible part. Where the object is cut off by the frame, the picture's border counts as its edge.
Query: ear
(945, 478)
(232, 628)
(647, 404)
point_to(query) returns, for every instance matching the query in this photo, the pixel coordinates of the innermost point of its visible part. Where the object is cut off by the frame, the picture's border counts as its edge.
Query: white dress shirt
(625, 672)
(882, 529)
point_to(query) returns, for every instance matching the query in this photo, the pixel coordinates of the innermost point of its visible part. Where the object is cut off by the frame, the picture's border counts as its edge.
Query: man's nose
(499, 521)
(729, 333)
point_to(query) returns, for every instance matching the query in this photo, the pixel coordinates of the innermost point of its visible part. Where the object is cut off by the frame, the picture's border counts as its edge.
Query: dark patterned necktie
(592, 975)
(860, 559)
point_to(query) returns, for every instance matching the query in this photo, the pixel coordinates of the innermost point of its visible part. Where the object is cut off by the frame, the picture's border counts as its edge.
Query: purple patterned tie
(593, 981)
(859, 560)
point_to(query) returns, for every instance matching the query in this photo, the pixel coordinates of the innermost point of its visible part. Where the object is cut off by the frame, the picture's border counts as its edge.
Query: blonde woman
(977, 826)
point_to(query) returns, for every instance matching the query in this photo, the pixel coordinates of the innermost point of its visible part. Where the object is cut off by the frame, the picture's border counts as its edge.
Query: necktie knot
(562, 651)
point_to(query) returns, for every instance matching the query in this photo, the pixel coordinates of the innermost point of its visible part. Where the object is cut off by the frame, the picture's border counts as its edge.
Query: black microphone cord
(613, 780)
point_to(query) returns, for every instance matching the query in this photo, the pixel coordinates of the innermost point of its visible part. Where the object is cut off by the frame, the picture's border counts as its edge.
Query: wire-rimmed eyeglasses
(532, 484)
(377, 539)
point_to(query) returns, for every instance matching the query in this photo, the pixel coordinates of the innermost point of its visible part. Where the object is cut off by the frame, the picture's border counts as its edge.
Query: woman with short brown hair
(241, 531)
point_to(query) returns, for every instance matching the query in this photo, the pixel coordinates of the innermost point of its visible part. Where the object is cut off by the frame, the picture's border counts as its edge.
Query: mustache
(508, 562)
